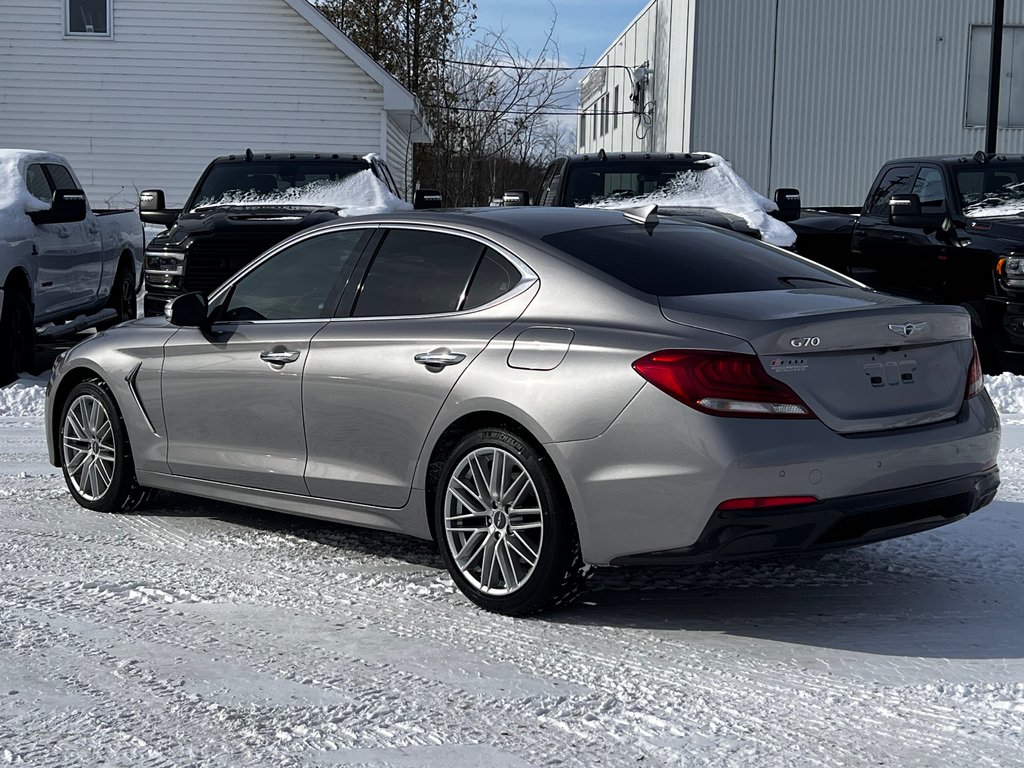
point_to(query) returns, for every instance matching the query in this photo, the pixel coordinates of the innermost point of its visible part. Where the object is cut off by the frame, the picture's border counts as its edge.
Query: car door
(232, 393)
(51, 290)
(430, 302)
(877, 247)
(79, 264)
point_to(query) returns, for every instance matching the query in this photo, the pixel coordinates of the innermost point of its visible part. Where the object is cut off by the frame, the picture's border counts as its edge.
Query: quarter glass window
(493, 277)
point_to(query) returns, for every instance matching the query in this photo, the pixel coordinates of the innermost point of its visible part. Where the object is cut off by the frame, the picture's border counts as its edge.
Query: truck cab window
(930, 187)
(895, 181)
(61, 176)
(37, 184)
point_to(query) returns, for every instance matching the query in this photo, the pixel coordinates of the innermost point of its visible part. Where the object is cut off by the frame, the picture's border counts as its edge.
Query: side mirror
(427, 198)
(68, 206)
(788, 201)
(153, 208)
(902, 208)
(188, 311)
(515, 197)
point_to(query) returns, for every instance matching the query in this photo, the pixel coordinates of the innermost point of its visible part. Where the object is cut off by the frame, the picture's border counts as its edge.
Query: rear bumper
(831, 524)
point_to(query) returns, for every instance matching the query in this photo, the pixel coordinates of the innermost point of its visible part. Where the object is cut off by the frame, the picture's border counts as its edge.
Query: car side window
(895, 181)
(297, 283)
(61, 176)
(930, 187)
(37, 184)
(418, 273)
(494, 277)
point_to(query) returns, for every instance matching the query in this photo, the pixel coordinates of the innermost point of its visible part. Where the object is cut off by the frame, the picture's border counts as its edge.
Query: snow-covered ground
(205, 634)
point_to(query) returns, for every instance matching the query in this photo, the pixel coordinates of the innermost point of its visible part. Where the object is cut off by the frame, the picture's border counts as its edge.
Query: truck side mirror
(153, 208)
(515, 197)
(424, 199)
(68, 206)
(788, 201)
(188, 311)
(904, 210)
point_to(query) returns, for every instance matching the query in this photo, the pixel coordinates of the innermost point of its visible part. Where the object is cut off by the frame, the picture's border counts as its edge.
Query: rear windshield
(674, 260)
(268, 181)
(625, 179)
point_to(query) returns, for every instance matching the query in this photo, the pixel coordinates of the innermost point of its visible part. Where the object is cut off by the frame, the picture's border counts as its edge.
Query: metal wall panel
(814, 94)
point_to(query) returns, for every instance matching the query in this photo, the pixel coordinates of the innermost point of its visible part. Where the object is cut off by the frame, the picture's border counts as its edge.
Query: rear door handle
(439, 358)
(899, 238)
(279, 356)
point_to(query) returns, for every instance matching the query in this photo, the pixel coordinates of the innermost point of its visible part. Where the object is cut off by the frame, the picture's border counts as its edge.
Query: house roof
(397, 98)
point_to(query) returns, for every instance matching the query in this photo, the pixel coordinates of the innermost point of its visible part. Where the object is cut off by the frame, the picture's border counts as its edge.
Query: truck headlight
(1011, 269)
(163, 269)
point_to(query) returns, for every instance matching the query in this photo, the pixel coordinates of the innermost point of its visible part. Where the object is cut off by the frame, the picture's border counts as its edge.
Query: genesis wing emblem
(906, 329)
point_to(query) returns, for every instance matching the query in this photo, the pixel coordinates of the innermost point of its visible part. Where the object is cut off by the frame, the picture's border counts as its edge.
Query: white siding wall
(399, 152)
(180, 83)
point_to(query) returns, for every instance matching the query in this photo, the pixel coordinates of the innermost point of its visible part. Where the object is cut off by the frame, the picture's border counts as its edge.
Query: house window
(88, 17)
(1011, 90)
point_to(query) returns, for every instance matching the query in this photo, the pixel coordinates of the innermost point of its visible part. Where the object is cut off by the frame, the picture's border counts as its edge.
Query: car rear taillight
(766, 502)
(721, 383)
(975, 381)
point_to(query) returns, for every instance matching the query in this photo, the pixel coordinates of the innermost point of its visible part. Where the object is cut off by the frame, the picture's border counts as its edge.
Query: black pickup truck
(244, 204)
(699, 186)
(948, 230)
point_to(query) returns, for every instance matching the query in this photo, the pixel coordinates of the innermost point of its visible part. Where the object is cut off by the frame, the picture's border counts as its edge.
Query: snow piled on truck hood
(15, 200)
(357, 195)
(718, 187)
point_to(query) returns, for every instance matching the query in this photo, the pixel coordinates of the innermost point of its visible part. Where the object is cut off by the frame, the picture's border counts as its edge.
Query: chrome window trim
(528, 276)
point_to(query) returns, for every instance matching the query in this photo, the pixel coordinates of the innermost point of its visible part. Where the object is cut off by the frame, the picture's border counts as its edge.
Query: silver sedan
(538, 390)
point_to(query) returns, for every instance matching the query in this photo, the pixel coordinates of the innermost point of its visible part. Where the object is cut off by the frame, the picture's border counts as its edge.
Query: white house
(813, 94)
(140, 93)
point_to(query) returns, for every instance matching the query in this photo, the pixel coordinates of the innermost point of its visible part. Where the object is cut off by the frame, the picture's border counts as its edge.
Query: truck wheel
(95, 453)
(123, 298)
(504, 526)
(17, 337)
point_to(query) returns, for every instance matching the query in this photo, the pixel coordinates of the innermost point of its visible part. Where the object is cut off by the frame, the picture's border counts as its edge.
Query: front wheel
(95, 454)
(505, 527)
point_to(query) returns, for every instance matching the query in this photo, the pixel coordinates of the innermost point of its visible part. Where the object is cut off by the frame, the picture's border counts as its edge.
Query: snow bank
(1007, 392)
(15, 200)
(718, 187)
(356, 195)
(24, 397)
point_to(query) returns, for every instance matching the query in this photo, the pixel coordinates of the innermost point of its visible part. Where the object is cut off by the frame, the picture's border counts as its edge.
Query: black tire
(116, 466)
(123, 298)
(533, 534)
(17, 336)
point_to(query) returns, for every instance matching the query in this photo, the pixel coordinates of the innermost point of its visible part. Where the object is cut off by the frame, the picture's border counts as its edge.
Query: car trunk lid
(862, 361)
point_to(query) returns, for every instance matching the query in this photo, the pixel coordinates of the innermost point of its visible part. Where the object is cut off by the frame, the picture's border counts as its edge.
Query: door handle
(900, 238)
(439, 358)
(279, 356)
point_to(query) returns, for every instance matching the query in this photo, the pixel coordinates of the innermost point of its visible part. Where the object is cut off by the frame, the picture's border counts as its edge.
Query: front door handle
(900, 238)
(279, 356)
(439, 358)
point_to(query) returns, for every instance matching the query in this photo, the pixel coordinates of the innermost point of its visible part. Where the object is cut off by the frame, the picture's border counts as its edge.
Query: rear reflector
(975, 381)
(721, 383)
(766, 502)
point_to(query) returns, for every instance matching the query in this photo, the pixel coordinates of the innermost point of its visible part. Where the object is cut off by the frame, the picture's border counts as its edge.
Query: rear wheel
(504, 526)
(17, 336)
(95, 454)
(123, 298)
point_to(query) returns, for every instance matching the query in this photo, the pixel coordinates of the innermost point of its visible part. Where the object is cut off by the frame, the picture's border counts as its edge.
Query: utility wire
(544, 112)
(530, 68)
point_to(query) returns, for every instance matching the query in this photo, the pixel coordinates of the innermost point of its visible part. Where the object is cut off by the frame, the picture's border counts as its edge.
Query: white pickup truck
(63, 266)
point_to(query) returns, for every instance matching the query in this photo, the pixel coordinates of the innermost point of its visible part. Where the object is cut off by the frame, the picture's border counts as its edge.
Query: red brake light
(766, 502)
(975, 380)
(721, 383)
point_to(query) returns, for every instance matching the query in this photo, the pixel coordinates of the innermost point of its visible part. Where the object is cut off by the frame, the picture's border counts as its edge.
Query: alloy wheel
(88, 447)
(493, 521)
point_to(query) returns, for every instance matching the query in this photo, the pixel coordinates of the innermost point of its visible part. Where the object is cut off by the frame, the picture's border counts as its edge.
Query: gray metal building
(813, 94)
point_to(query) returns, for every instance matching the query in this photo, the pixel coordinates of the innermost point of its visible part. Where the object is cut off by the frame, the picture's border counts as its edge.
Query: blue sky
(584, 28)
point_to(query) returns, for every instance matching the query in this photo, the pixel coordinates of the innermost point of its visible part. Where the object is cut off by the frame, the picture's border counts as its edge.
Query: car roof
(519, 221)
(602, 156)
(968, 160)
(253, 156)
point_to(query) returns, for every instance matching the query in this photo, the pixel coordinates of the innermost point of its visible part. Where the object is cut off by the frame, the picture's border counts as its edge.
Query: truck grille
(209, 264)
